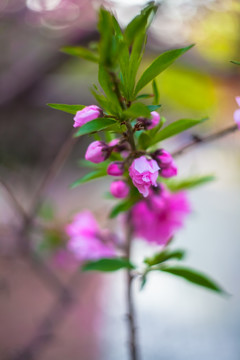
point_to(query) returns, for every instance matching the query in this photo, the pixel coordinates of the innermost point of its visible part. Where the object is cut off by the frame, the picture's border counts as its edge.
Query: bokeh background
(48, 310)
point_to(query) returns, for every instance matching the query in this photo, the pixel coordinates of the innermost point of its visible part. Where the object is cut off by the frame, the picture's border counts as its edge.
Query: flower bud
(97, 152)
(169, 171)
(163, 157)
(86, 114)
(154, 121)
(119, 189)
(115, 168)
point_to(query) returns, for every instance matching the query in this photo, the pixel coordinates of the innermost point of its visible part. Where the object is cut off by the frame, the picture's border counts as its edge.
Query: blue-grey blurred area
(175, 320)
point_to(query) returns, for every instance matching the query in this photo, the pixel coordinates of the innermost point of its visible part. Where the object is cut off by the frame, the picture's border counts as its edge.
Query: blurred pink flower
(87, 242)
(157, 218)
(119, 189)
(97, 152)
(167, 165)
(236, 114)
(144, 174)
(86, 114)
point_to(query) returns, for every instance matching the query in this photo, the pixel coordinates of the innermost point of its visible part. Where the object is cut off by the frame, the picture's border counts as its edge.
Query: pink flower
(154, 120)
(158, 218)
(119, 189)
(167, 165)
(236, 114)
(115, 168)
(86, 114)
(144, 174)
(86, 240)
(97, 152)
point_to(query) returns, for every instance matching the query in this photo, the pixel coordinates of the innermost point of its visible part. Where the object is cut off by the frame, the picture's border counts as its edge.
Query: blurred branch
(206, 139)
(20, 210)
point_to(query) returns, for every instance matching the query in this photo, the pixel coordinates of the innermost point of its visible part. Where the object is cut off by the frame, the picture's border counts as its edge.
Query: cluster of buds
(143, 169)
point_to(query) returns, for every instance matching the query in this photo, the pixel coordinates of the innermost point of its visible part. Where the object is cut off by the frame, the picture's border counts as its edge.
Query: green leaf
(175, 128)
(136, 110)
(71, 109)
(140, 23)
(153, 107)
(194, 277)
(161, 63)
(88, 177)
(144, 140)
(94, 125)
(155, 92)
(144, 96)
(105, 27)
(235, 62)
(120, 207)
(164, 256)
(81, 52)
(189, 183)
(108, 86)
(108, 265)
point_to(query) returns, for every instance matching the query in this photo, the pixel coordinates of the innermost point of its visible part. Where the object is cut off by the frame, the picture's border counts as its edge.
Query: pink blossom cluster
(143, 170)
(157, 218)
(87, 241)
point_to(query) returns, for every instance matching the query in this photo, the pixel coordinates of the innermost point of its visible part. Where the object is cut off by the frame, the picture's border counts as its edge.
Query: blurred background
(48, 310)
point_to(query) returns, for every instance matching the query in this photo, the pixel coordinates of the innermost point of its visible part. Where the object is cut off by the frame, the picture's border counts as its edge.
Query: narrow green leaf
(144, 96)
(81, 52)
(155, 92)
(189, 183)
(153, 107)
(140, 22)
(194, 277)
(161, 63)
(108, 265)
(122, 206)
(88, 177)
(94, 125)
(108, 86)
(71, 109)
(164, 256)
(105, 27)
(137, 110)
(143, 281)
(235, 62)
(176, 128)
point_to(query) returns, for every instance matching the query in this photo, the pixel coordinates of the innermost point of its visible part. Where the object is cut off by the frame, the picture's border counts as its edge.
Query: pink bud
(115, 168)
(169, 171)
(163, 157)
(154, 120)
(86, 114)
(97, 152)
(119, 189)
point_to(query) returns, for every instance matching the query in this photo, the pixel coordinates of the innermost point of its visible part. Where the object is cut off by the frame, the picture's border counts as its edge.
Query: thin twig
(20, 210)
(130, 303)
(202, 140)
(53, 170)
